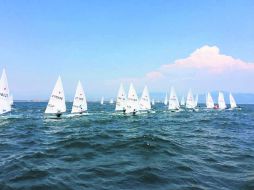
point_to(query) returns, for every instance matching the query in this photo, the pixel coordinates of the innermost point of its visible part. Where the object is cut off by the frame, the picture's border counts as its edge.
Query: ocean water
(104, 150)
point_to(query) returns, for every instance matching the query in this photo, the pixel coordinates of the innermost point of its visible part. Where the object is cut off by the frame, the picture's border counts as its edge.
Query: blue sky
(98, 42)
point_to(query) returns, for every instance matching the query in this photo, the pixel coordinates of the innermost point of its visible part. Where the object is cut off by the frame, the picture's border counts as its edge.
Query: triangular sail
(79, 102)
(190, 102)
(56, 102)
(5, 105)
(182, 103)
(144, 103)
(121, 99)
(102, 100)
(11, 99)
(196, 101)
(166, 99)
(111, 101)
(221, 101)
(132, 101)
(173, 100)
(232, 101)
(209, 101)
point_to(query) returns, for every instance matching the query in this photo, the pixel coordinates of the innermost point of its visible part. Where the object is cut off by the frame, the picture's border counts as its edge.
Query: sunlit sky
(103, 43)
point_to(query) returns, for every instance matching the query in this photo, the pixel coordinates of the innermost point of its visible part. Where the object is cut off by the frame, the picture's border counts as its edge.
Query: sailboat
(182, 103)
(102, 100)
(79, 103)
(11, 99)
(196, 101)
(166, 99)
(190, 102)
(121, 99)
(5, 104)
(132, 101)
(56, 104)
(144, 103)
(209, 101)
(173, 100)
(153, 102)
(111, 101)
(232, 101)
(221, 101)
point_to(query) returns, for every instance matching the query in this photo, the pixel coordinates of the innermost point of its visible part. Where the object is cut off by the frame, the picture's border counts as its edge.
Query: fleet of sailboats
(130, 105)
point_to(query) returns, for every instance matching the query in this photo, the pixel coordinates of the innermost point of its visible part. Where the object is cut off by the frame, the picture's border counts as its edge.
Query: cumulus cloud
(206, 69)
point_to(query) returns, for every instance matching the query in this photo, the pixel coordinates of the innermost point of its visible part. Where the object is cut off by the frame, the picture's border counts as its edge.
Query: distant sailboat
(5, 104)
(79, 102)
(166, 99)
(56, 104)
(190, 102)
(182, 103)
(221, 101)
(173, 100)
(111, 101)
(132, 101)
(232, 101)
(153, 102)
(209, 101)
(102, 100)
(121, 99)
(144, 103)
(196, 101)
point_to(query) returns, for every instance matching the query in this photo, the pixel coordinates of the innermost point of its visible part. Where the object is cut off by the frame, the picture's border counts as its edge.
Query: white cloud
(204, 69)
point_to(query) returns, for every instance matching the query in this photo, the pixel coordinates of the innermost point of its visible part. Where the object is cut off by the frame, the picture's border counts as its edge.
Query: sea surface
(105, 150)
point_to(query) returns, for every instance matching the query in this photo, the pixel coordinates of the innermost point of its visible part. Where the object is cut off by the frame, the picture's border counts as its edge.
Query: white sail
(166, 99)
(190, 102)
(111, 101)
(232, 101)
(173, 100)
(221, 101)
(196, 101)
(182, 103)
(79, 102)
(153, 102)
(132, 100)
(209, 101)
(144, 103)
(121, 99)
(5, 105)
(56, 102)
(102, 100)
(11, 99)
